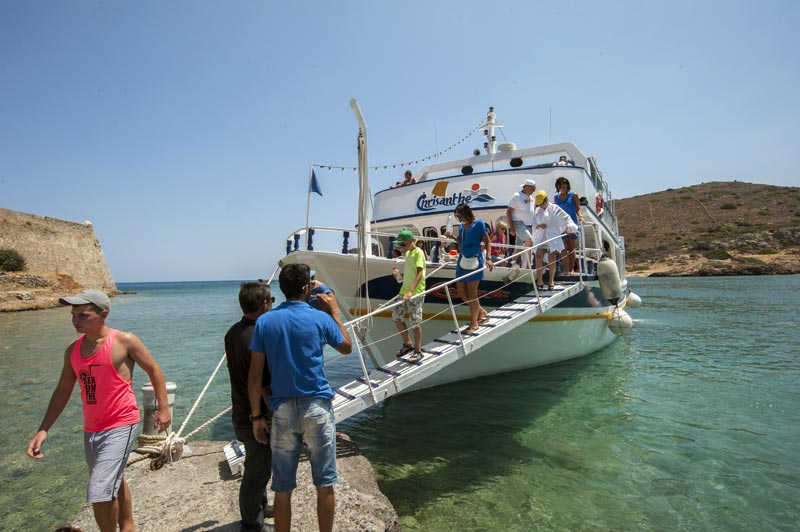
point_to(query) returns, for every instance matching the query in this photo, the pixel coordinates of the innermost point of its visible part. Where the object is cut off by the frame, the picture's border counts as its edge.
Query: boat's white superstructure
(362, 278)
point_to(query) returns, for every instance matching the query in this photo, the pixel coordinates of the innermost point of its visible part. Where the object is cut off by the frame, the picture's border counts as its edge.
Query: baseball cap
(95, 297)
(405, 235)
(528, 183)
(541, 196)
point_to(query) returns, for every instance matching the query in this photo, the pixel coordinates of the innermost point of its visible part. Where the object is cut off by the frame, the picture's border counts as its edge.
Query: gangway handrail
(450, 282)
(457, 346)
(397, 375)
(352, 324)
(582, 251)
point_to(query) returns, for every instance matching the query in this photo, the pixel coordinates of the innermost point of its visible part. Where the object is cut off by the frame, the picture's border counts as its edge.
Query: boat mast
(491, 140)
(362, 304)
(364, 213)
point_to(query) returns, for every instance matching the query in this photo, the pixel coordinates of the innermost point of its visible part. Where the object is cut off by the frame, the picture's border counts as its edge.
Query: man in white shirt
(520, 212)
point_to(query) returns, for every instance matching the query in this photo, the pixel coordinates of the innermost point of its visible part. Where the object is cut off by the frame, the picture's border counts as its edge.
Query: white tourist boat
(571, 321)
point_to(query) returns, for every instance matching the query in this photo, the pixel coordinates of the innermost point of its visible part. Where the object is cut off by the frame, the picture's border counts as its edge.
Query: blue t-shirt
(470, 246)
(568, 205)
(293, 336)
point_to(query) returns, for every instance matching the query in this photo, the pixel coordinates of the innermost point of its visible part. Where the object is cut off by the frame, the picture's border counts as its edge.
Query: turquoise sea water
(690, 423)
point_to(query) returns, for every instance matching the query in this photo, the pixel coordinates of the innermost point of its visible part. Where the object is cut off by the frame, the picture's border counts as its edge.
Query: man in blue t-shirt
(291, 338)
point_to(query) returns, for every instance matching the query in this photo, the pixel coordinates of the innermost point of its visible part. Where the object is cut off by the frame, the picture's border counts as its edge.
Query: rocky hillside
(718, 228)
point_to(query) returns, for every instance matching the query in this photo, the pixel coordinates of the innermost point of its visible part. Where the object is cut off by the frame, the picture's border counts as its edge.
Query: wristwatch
(260, 416)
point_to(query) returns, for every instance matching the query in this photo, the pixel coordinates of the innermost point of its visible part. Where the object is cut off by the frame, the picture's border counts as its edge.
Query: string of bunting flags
(405, 163)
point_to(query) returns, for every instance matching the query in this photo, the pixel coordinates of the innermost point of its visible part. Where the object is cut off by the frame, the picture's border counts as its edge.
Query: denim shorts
(295, 420)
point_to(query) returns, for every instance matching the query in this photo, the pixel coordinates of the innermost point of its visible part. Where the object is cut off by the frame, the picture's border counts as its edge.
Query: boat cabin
(486, 183)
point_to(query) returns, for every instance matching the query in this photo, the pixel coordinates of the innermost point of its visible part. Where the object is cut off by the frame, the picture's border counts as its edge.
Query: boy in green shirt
(413, 284)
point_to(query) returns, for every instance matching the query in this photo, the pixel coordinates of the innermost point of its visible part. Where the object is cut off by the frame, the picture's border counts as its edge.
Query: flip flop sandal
(484, 319)
(406, 349)
(416, 357)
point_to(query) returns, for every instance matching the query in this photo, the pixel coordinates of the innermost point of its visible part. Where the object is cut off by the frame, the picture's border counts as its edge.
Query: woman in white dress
(549, 222)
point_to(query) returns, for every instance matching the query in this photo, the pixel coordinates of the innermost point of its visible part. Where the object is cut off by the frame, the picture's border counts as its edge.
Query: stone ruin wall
(51, 245)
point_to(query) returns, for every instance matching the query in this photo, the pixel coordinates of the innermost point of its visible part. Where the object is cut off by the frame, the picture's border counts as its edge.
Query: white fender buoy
(634, 301)
(608, 275)
(620, 322)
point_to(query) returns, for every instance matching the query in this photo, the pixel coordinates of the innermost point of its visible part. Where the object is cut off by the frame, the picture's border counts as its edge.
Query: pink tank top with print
(108, 400)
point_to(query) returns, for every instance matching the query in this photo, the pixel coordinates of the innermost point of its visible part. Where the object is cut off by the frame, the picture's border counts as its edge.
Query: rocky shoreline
(36, 291)
(198, 494)
(732, 263)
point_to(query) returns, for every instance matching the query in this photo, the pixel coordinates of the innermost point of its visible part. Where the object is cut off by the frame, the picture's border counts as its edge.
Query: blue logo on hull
(432, 203)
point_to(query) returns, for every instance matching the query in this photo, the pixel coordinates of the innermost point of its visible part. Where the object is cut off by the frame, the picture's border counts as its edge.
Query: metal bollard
(149, 406)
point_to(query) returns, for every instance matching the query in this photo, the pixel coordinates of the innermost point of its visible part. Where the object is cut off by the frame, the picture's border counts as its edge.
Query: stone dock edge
(198, 494)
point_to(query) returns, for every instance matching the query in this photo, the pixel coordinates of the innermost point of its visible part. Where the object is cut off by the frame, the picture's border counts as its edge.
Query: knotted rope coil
(165, 449)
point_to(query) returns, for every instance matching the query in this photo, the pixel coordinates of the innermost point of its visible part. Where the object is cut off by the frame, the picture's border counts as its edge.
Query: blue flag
(314, 186)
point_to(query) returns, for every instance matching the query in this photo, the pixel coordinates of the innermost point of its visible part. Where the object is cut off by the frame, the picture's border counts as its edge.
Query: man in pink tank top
(102, 362)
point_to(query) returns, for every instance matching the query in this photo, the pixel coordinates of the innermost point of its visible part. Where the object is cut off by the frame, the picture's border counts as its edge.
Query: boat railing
(439, 242)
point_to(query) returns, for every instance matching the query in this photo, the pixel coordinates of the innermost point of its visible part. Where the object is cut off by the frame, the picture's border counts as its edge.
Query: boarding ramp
(401, 374)
(374, 386)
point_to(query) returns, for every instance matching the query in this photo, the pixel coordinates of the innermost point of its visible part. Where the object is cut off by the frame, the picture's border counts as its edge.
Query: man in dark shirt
(255, 299)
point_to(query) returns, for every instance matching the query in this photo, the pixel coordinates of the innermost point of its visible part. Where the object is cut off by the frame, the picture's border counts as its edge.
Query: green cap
(405, 235)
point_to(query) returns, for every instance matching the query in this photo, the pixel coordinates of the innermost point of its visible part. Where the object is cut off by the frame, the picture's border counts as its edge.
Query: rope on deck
(165, 449)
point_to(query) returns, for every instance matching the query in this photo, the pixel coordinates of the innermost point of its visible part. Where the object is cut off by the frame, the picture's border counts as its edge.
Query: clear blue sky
(184, 129)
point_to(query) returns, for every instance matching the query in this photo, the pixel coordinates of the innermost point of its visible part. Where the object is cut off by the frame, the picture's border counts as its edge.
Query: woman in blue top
(569, 203)
(471, 234)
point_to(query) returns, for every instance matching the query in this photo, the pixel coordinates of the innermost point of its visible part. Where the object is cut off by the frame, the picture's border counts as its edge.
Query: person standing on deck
(550, 221)
(520, 216)
(255, 299)
(103, 358)
(569, 203)
(290, 339)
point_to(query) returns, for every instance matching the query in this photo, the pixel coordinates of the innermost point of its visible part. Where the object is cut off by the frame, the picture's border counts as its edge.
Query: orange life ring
(598, 205)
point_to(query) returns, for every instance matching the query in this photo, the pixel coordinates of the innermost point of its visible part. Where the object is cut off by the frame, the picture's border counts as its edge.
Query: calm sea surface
(690, 423)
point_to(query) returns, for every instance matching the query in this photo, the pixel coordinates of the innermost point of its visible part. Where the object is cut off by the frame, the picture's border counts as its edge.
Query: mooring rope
(165, 449)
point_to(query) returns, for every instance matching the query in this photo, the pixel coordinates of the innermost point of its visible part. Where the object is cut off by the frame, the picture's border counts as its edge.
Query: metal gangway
(401, 374)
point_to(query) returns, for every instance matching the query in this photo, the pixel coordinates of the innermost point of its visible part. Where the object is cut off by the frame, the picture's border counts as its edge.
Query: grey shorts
(414, 309)
(107, 454)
